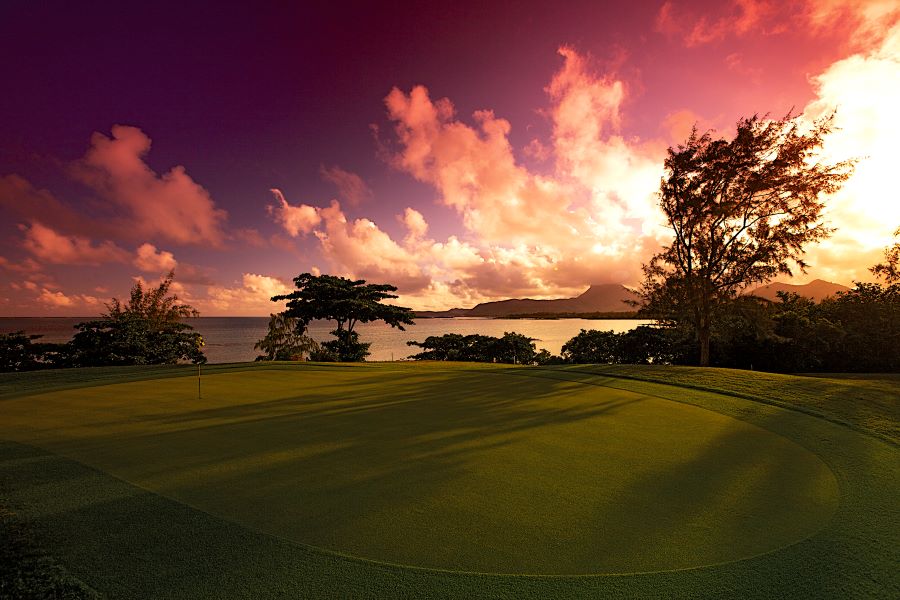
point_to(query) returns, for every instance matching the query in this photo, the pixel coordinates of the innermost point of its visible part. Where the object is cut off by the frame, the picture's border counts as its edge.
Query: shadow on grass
(348, 456)
(856, 554)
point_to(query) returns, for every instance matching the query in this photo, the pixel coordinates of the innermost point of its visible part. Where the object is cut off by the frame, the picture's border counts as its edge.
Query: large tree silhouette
(741, 212)
(346, 302)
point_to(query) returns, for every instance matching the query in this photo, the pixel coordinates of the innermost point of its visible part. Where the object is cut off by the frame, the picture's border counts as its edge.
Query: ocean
(231, 339)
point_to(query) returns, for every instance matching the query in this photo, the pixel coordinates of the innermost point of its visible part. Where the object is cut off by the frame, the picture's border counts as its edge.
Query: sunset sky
(463, 151)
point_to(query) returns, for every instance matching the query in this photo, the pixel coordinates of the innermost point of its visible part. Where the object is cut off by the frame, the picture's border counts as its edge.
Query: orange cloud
(741, 18)
(351, 187)
(28, 266)
(251, 297)
(52, 247)
(57, 299)
(151, 260)
(867, 21)
(171, 205)
(475, 171)
(361, 248)
(415, 224)
(593, 220)
(678, 125)
(296, 220)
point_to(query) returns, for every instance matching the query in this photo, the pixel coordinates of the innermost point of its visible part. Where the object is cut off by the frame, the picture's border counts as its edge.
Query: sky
(464, 152)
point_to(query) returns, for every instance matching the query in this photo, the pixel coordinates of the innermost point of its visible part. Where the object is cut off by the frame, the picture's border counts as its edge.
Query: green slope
(152, 493)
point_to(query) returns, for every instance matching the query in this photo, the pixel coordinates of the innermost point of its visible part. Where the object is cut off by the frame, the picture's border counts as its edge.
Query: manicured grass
(407, 480)
(26, 570)
(868, 402)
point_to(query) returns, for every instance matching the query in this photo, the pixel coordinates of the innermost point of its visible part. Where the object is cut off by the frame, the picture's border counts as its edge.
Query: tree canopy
(346, 302)
(741, 212)
(21, 352)
(145, 330)
(285, 340)
(512, 348)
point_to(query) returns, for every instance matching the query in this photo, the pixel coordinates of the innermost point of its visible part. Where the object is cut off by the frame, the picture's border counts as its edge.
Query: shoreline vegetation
(610, 315)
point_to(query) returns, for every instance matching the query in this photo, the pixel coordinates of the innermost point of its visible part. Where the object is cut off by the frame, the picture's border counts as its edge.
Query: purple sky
(550, 191)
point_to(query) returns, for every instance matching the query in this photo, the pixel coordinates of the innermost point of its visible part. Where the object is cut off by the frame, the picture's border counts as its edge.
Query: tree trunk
(703, 327)
(704, 346)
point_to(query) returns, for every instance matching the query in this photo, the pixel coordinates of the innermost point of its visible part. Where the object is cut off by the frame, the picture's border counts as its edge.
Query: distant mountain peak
(603, 297)
(817, 290)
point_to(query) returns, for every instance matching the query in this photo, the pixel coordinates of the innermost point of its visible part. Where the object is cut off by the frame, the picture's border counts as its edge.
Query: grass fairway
(459, 481)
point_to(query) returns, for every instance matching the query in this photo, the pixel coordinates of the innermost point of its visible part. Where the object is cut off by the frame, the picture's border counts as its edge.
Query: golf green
(479, 470)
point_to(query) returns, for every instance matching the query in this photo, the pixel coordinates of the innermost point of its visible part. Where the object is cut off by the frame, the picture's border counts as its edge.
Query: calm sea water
(231, 339)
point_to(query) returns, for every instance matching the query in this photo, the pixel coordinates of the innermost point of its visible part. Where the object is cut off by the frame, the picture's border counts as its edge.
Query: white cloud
(867, 210)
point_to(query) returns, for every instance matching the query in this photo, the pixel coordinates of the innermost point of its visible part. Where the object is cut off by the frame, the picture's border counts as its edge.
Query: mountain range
(612, 297)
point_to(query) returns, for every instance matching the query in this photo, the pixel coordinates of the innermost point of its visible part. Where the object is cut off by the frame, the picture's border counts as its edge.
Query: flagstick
(198, 382)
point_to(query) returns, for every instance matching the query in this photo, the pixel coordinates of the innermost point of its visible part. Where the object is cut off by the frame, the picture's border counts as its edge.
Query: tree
(592, 347)
(889, 270)
(20, 352)
(741, 212)
(347, 302)
(869, 320)
(512, 348)
(285, 340)
(346, 347)
(515, 348)
(450, 346)
(647, 344)
(146, 330)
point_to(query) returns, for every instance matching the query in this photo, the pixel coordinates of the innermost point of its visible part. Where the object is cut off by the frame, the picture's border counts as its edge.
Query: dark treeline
(856, 331)
(146, 329)
(512, 348)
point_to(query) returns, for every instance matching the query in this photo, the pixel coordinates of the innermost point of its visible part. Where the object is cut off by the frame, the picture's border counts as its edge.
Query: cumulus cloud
(594, 218)
(296, 220)
(621, 175)
(52, 247)
(172, 205)
(252, 296)
(360, 247)
(149, 259)
(56, 299)
(351, 187)
(475, 171)
(415, 224)
(867, 210)
(545, 235)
